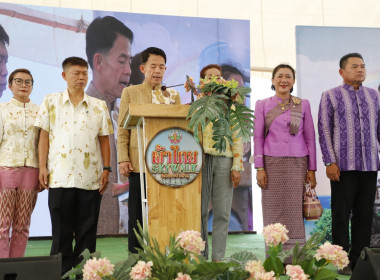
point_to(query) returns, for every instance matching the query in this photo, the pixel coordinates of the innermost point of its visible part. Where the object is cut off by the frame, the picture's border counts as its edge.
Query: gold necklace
(282, 105)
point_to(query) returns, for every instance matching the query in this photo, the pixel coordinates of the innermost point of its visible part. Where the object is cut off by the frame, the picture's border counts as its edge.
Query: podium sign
(173, 157)
(169, 210)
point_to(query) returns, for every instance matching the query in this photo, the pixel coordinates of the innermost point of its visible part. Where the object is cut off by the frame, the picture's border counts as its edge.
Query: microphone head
(163, 88)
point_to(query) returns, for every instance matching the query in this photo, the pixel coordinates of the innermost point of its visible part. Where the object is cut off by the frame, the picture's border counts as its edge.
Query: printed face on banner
(174, 158)
(3, 68)
(236, 77)
(115, 67)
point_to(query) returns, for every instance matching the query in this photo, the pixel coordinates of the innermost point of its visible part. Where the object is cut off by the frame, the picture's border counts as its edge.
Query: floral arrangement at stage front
(308, 261)
(182, 260)
(221, 103)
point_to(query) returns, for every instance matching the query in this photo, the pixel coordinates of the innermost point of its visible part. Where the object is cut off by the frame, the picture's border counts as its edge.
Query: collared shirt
(74, 159)
(168, 96)
(279, 142)
(235, 151)
(348, 126)
(127, 144)
(18, 136)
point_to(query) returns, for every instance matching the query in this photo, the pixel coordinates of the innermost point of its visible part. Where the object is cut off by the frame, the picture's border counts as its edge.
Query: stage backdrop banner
(42, 37)
(319, 50)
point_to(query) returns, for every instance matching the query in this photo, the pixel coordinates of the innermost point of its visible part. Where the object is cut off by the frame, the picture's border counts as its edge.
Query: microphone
(165, 87)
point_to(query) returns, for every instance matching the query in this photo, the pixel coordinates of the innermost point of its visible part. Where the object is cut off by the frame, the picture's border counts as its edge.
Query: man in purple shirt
(349, 131)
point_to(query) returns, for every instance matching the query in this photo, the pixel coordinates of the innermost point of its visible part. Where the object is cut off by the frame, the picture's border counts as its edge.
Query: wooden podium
(167, 210)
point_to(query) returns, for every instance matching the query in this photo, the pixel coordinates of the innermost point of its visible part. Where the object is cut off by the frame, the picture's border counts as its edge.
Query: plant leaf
(234, 275)
(221, 133)
(325, 274)
(210, 270)
(242, 257)
(307, 266)
(274, 264)
(241, 119)
(204, 110)
(124, 267)
(283, 255)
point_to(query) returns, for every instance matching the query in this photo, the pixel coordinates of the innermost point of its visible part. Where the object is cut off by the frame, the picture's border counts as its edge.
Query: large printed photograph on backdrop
(40, 38)
(319, 50)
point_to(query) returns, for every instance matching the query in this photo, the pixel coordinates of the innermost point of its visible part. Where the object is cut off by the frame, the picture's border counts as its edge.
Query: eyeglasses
(19, 82)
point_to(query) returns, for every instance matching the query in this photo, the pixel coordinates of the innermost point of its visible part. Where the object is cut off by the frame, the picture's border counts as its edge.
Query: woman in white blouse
(19, 183)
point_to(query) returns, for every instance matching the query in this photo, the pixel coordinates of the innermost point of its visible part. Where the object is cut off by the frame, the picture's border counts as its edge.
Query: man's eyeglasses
(19, 82)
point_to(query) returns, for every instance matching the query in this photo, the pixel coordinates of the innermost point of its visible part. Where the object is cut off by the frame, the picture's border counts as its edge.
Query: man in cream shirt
(72, 147)
(153, 65)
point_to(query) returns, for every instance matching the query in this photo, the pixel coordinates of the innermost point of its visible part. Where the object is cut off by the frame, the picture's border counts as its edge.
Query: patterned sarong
(282, 200)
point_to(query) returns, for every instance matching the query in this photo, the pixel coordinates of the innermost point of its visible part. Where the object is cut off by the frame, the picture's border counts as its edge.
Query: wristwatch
(328, 164)
(107, 168)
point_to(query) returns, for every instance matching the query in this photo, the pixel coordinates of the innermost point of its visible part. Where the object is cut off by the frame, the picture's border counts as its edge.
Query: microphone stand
(192, 91)
(165, 87)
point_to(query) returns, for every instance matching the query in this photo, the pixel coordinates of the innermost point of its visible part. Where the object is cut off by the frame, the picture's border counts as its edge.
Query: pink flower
(333, 254)
(254, 267)
(181, 276)
(274, 234)
(257, 271)
(95, 269)
(264, 276)
(191, 241)
(296, 272)
(141, 270)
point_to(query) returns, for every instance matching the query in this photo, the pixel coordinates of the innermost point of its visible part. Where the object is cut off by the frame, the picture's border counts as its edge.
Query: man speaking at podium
(153, 65)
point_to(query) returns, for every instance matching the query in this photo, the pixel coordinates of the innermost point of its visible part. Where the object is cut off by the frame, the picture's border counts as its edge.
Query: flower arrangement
(220, 102)
(295, 272)
(141, 271)
(96, 269)
(191, 241)
(275, 234)
(182, 260)
(257, 271)
(182, 276)
(332, 254)
(308, 261)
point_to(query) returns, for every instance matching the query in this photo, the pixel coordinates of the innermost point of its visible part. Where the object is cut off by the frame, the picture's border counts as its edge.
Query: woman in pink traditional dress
(284, 154)
(19, 183)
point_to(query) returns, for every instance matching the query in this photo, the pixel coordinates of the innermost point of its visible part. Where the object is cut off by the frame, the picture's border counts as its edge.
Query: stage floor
(115, 248)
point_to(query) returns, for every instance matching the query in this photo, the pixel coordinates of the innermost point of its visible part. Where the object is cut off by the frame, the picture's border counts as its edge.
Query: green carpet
(115, 248)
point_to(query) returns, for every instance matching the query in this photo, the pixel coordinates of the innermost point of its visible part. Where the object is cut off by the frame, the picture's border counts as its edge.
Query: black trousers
(353, 194)
(134, 210)
(74, 215)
